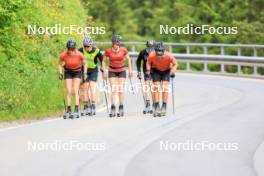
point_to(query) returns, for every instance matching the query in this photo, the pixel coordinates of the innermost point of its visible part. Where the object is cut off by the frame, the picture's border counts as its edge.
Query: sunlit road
(208, 108)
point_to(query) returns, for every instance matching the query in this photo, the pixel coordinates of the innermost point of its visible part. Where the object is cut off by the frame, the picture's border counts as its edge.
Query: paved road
(209, 110)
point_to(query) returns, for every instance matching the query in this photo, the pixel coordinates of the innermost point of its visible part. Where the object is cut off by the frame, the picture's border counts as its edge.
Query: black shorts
(158, 76)
(72, 74)
(92, 75)
(117, 74)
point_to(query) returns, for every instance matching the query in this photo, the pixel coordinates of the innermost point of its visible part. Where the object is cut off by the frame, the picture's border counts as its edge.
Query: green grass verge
(29, 87)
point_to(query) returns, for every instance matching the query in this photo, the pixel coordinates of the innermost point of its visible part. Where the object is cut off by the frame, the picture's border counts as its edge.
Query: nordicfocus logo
(58, 29)
(204, 145)
(70, 145)
(135, 88)
(199, 30)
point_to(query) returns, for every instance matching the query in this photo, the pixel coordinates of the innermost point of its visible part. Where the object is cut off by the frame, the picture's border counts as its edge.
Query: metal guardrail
(222, 59)
(205, 47)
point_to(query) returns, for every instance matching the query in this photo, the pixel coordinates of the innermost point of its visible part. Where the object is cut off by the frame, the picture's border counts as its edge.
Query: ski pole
(91, 93)
(106, 101)
(131, 85)
(142, 91)
(63, 95)
(172, 85)
(150, 89)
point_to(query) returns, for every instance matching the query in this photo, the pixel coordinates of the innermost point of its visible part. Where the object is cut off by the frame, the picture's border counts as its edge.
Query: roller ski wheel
(112, 115)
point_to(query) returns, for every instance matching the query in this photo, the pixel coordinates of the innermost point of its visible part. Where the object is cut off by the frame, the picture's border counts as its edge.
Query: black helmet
(150, 45)
(159, 49)
(116, 38)
(71, 44)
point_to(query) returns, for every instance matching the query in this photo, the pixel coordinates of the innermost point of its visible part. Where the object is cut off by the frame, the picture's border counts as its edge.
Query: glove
(139, 75)
(172, 75)
(147, 75)
(60, 76)
(101, 70)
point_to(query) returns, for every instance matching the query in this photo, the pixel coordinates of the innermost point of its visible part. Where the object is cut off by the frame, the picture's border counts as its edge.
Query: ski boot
(76, 113)
(113, 111)
(163, 109)
(121, 111)
(93, 111)
(147, 109)
(85, 111)
(67, 115)
(156, 111)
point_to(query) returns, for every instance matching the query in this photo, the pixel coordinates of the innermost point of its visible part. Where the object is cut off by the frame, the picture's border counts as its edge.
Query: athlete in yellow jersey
(92, 55)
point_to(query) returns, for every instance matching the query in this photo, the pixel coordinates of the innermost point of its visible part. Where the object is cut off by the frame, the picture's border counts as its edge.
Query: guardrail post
(187, 49)
(239, 69)
(188, 66)
(205, 50)
(239, 51)
(170, 49)
(255, 52)
(222, 69)
(222, 50)
(133, 48)
(205, 67)
(255, 71)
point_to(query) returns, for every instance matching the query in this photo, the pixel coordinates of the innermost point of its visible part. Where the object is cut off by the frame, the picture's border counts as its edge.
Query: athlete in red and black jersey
(71, 59)
(162, 66)
(142, 63)
(117, 56)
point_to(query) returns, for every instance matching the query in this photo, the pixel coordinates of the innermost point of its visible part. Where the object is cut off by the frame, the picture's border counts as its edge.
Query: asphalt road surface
(210, 111)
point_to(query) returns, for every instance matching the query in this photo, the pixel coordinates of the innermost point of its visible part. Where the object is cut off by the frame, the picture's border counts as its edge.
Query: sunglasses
(87, 46)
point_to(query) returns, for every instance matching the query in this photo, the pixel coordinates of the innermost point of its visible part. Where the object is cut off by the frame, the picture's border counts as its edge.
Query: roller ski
(121, 111)
(113, 111)
(75, 115)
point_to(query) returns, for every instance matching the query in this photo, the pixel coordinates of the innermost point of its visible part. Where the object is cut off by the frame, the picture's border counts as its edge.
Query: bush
(28, 84)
